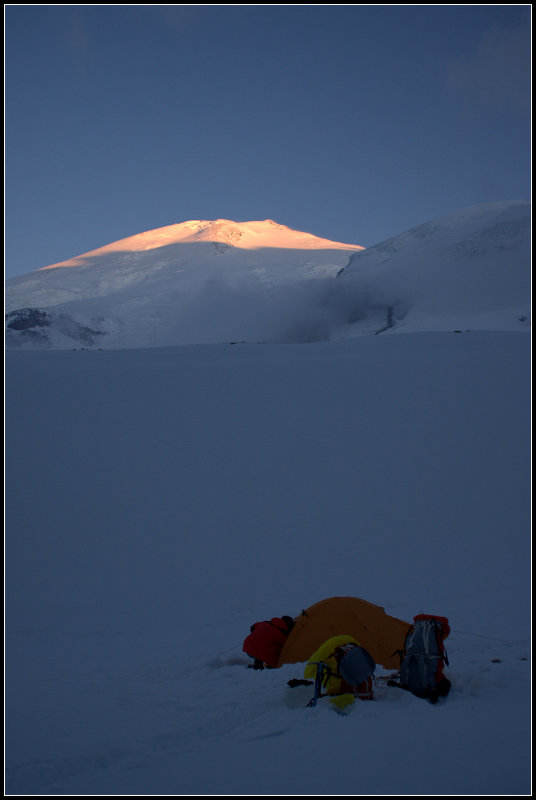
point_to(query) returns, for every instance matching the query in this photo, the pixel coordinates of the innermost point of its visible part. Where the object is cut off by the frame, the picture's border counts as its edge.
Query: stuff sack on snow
(342, 669)
(421, 670)
(266, 640)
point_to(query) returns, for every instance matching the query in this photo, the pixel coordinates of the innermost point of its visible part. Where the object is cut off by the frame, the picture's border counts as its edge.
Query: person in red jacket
(266, 640)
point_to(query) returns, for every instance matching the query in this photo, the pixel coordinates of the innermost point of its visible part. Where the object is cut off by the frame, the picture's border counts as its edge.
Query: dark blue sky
(350, 122)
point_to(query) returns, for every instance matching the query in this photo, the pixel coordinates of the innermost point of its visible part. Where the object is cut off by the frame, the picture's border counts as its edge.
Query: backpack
(342, 668)
(424, 657)
(356, 668)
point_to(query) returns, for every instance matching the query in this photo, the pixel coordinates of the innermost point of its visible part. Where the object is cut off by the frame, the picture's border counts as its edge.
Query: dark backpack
(353, 666)
(356, 668)
(424, 658)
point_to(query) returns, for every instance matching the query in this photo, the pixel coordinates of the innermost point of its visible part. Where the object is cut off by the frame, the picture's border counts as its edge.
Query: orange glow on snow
(243, 235)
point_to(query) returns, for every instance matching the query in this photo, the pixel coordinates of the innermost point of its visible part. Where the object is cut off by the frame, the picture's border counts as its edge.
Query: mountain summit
(220, 232)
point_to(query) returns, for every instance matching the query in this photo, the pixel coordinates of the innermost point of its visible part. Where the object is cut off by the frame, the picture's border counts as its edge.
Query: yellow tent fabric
(381, 635)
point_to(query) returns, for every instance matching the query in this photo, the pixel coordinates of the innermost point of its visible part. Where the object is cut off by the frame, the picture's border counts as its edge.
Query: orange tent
(381, 635)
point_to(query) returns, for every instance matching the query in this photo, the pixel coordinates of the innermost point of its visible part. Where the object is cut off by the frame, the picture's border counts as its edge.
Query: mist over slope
(204, 282)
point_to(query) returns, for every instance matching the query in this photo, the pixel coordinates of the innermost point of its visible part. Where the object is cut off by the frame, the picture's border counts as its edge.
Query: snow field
(160, 501)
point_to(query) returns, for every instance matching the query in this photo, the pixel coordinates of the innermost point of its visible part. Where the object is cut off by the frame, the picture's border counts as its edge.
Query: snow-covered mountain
(205, 282)
(197, 281)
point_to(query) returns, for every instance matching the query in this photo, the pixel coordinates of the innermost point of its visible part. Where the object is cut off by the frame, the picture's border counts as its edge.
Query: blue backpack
(424, 658)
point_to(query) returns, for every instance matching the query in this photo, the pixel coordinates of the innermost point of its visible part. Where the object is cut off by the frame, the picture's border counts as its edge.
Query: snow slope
(159, 501)
(207, 282)
(469, 269)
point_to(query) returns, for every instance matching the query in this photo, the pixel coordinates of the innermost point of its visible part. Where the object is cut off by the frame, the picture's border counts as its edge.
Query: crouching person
(342, 670)
(266, 640)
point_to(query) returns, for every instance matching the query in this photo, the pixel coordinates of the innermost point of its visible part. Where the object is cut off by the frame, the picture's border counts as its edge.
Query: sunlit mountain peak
(251, 235)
